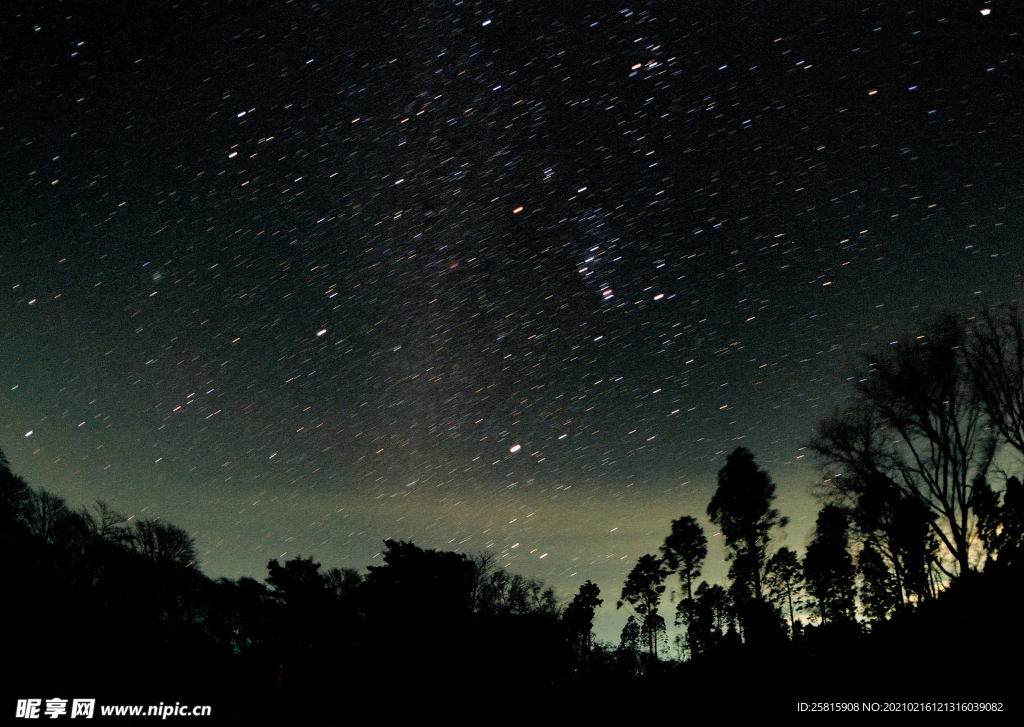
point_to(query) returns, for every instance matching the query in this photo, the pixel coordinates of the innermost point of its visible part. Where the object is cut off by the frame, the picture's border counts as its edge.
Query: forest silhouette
(907, 590)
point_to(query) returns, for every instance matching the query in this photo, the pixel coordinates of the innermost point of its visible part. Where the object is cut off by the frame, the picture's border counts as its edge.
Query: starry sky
(491, 276)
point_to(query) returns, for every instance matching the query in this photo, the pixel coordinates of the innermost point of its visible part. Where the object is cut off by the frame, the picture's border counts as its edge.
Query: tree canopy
(742, 508)
(643, 590)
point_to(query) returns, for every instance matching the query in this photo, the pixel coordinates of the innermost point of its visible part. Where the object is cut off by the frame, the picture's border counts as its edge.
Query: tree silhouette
(783, 579)
(715, 599)
(299, 581)
(899, 530)
(684, 551)
(880, 590)
(916, 428)
(578, 618)
(343, 582)
(995, 364)
(15, 495)
(643, 590)
(828, 567)
(710, 614)
(417, 586)
(742, 508)
(105, 523)
(162, 542)
(303, 624)
(655, 631)
(1001, 525)
(48, 516)
(499, 593)
(243, 610)
(629, 644)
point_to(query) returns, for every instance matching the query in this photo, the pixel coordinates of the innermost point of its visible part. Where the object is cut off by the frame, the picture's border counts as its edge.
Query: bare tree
(916, 430)
(48, 516)
(105, 523)
(484, 565)
(343, 581)
(995, 362)
(163, 542)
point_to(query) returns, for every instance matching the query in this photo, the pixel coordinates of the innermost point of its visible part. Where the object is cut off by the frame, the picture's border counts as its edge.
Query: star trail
(490, 276)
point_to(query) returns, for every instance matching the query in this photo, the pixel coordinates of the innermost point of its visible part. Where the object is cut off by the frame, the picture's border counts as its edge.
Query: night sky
(491, 276)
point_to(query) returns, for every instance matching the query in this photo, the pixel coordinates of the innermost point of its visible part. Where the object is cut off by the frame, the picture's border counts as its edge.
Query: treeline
(915, 559)
(917, 550)
(99, 601)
